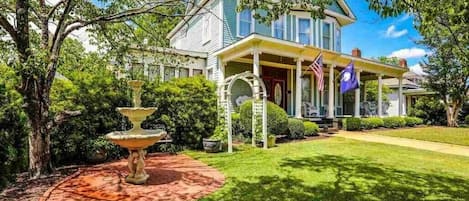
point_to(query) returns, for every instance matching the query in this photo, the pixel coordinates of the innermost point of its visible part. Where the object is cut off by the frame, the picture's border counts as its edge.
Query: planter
(212, 145)
(271, 141)
(98, 156)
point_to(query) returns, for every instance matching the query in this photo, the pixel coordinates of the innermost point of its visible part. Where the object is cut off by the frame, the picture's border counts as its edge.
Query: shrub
(311, 128)
(13, 129)
(237, 126)
(352, 124)
(430, 109)
(412, 121)
(187, 108)
(466, 120)
(296, 129)
(277, 118)
(394, 122)
(101, 145)
(371, 122)
(96, 93)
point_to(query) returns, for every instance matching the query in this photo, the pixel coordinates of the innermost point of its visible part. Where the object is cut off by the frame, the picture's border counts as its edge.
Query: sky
(376, 36)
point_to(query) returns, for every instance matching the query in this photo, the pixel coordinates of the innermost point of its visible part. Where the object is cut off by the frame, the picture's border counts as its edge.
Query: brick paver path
(418, 144)
(172, 177)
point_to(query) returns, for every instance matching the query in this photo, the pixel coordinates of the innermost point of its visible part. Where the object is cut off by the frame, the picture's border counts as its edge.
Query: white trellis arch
(258, 91)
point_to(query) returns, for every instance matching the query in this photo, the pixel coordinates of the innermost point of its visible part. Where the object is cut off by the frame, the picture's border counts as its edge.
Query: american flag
(316, 67)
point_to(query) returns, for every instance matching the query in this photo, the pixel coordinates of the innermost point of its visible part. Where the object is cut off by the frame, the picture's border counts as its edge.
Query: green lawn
(458, 136)
(339, 169)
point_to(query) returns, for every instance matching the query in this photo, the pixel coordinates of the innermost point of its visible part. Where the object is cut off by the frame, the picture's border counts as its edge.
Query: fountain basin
(136, 142)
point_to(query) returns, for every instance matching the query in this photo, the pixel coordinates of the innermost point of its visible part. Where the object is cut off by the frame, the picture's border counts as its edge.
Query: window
(169, 73)
(306, 88)
(153, 71)
(183, 72)
(244, 23)
(304, 31)
(326, 36)
(278, 28)
(206, 28)
(196, 72)
(337, 39)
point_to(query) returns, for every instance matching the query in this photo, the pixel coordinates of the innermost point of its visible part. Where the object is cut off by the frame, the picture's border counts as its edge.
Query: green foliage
(187, 107)
(296, 129)
(394, 122)
(220, 134)
(101, 145)
(13, 128)
(372, 122)
(372, 92)
(96, 92)
(413, 121)
(466, 120)
(430, 109)
(277, 118)
(311, 128)
(352, 123)
(237, 126)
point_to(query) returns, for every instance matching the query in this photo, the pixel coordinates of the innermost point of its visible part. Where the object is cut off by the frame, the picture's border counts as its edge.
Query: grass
(459, 136)
(338, 169)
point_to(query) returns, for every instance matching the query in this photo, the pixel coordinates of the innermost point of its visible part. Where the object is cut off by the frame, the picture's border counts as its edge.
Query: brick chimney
(403, 63)
(356, 52)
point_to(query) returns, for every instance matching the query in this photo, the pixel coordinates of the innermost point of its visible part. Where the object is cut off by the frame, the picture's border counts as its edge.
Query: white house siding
(189, 36)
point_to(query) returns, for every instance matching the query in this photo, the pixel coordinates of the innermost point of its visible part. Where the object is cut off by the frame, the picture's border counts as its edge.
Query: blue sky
(376, 36)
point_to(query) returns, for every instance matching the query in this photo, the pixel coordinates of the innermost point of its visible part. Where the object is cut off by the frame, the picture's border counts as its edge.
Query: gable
(337, 8)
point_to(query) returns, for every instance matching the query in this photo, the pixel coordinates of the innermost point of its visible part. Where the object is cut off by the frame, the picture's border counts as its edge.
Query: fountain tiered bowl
(136, 139)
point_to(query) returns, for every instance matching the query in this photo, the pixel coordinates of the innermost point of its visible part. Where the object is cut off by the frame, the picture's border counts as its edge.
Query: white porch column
(256, 70)
(399, 95)
(220, 76)
(331, 105)
(357, 96)
(298, 88)
(380, 95)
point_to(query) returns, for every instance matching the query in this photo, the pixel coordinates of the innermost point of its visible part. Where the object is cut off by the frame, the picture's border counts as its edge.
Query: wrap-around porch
(283, 66)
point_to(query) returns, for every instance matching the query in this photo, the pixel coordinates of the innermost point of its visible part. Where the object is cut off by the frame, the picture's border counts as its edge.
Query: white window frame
(337, 46)
(238, 24)
(298, 29)
(331, 35)
(206, 28)
(284, 18)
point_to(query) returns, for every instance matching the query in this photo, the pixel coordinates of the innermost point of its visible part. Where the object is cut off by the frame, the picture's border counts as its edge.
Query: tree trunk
(36, 97)
(452, 113)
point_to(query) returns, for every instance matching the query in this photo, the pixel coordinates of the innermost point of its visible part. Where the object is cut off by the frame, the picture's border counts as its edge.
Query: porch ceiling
(283, 53)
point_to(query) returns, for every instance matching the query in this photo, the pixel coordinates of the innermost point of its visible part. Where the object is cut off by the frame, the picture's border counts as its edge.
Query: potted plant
(214, 143)
(271, 140)
(97, 150)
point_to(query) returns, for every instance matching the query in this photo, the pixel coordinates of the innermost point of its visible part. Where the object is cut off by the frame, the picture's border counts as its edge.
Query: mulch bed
(26, 189)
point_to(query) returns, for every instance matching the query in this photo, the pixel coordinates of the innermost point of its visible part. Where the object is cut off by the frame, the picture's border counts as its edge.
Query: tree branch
(9, 28)
(62, 117)
(54, 8)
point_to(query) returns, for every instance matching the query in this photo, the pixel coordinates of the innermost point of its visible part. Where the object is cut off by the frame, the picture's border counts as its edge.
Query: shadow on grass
(350, 179)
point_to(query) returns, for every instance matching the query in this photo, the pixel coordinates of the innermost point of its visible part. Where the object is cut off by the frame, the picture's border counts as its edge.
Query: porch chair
(309, 110)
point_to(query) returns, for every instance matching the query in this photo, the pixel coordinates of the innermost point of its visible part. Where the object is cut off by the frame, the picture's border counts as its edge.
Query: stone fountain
(136, 139)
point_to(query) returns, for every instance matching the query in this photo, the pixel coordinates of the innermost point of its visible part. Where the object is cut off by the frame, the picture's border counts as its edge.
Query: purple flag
(348, 80)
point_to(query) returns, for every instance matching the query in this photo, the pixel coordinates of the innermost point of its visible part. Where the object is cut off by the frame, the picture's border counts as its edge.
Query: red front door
(275, 81)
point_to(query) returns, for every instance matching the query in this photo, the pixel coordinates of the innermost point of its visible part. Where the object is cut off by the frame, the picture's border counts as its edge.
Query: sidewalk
(405, 142)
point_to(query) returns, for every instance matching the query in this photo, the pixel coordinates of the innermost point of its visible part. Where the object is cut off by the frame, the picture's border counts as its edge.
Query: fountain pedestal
(136, 139)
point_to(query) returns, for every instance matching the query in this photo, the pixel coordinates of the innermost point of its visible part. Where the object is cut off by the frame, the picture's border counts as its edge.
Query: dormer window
(279, 28)
(245, 23)
(304, 31)
(326, 36)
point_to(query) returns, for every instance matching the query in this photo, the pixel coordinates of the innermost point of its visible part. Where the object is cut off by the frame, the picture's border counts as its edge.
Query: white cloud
(404, 18)
(391, 32)
(417, 69)
(81, 35)
(408, 53)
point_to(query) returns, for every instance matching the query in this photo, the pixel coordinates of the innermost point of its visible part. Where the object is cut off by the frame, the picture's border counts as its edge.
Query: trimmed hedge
(277, 118)
(466, 119)
(413, 121)
(352, 124)
(311, 128)
(394, 122)
(296, 129)
(372, 122)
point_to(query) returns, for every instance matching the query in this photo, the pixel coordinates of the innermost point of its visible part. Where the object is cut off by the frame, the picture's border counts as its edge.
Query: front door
(275, 81)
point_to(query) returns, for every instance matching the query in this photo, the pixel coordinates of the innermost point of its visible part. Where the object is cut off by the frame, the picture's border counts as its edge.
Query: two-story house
(280, 53)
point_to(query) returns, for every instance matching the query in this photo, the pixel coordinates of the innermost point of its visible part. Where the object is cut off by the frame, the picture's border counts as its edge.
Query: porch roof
(283, 48)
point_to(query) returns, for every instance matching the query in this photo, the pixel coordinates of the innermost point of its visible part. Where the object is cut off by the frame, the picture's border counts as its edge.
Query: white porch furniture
(309, 110)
